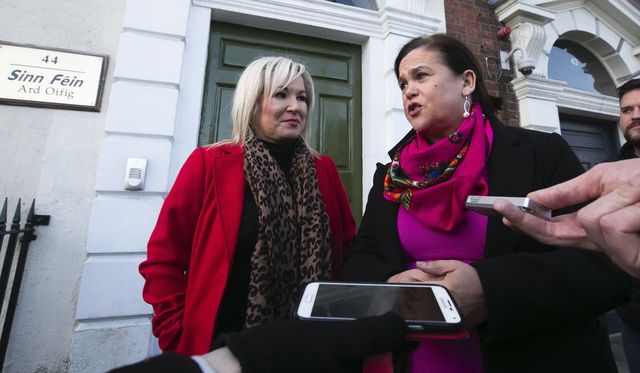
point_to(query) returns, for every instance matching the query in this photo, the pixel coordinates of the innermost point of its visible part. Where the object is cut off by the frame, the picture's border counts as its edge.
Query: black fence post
(8, 261)
(3, 221)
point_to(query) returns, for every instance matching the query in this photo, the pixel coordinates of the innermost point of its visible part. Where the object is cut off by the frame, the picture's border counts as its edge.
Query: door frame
(346, 86)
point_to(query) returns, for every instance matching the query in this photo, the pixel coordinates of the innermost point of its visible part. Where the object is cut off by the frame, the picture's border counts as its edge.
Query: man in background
(610, 223)
(629, 122)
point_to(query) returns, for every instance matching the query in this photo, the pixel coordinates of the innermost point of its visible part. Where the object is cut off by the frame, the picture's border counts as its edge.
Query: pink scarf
(433, 181)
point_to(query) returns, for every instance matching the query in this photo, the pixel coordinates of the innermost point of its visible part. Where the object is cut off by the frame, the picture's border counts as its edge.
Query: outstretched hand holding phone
(291, 346)
(314, 346)
(611, 223)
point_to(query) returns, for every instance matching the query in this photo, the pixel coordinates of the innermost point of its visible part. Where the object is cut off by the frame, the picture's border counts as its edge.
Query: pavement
(618, 353)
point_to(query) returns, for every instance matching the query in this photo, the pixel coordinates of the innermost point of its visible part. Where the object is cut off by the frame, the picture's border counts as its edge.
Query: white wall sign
(55, 78)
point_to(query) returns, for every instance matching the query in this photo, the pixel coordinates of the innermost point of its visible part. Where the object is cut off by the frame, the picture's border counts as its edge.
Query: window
(366, 4)
(577, 66)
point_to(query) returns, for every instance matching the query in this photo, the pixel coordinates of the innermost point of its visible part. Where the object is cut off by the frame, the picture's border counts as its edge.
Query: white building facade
(80, 308)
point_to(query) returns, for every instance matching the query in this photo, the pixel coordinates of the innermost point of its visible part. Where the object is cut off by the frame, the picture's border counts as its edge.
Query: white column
(537, 102)
(112, 321)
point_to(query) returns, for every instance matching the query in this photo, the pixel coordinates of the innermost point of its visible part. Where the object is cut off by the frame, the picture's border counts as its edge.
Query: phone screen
(354, 301)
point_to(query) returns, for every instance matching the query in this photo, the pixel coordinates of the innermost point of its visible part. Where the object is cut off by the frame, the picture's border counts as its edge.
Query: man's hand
(598, 181)
(610, 224)
(564, 230)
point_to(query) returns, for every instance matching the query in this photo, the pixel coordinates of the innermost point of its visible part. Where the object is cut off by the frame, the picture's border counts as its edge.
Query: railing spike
(31, 213)
(3, 213)
(16, 215)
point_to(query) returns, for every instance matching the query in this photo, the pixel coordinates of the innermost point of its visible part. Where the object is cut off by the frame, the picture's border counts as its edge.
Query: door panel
(335, 67)
(592, 140)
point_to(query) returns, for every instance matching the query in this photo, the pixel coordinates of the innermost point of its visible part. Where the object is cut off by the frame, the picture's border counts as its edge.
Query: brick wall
(475, 23)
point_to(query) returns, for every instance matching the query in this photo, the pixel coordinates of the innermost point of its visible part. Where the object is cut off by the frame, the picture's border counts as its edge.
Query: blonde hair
(259, 81)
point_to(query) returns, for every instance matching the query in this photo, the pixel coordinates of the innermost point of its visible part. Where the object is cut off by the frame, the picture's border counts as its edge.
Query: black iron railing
(14, 257)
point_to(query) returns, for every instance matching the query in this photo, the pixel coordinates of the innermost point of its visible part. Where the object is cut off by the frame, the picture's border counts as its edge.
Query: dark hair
(457, 56)
(628, 86)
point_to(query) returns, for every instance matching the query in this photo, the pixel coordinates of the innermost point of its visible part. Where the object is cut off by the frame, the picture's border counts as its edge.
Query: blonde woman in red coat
(248, 220)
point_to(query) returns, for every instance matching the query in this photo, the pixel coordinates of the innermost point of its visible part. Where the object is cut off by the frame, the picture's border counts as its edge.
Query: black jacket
(542, 303)
(165, 363)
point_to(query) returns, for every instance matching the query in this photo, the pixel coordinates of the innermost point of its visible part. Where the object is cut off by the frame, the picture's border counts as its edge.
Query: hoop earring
(466, 107)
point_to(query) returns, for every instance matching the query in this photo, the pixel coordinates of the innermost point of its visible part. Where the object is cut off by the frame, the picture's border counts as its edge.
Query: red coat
(190, 250)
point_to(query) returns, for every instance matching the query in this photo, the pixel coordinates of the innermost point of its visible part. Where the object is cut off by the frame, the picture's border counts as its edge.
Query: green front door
(335, 68)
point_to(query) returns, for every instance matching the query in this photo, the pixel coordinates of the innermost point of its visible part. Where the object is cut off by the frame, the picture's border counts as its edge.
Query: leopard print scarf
(293, 246)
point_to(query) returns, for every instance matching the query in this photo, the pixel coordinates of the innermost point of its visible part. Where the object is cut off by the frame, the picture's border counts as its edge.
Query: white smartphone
(424, 307)
(484, 205)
